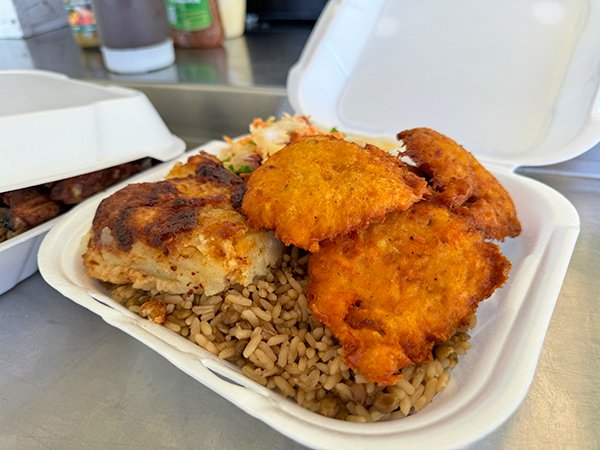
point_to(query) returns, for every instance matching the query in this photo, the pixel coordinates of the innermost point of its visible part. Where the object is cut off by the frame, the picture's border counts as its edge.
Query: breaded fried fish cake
(462, 183)
(320, 187)
(391, 291)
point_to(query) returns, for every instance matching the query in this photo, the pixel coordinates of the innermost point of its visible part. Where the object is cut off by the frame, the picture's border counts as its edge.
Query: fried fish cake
(391, 291)
(211, 173)
(180, 235)
(204, 166)
(462, 183)
(320, 187)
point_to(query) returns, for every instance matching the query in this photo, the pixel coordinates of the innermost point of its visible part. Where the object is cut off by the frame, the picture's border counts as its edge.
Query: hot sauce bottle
(195, 23)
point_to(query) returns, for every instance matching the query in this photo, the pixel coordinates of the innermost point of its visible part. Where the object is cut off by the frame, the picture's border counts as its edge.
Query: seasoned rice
(267, 330)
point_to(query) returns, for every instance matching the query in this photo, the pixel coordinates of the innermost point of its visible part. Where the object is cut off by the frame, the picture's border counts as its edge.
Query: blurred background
(36, 34)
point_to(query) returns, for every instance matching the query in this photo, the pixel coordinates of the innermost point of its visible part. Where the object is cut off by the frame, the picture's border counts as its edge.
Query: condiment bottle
(82, 22)
(134, 35)
(195, 23)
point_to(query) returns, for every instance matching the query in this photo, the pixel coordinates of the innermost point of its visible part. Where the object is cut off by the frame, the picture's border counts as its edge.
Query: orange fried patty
(321, 187)
(391, 291)
(462, 183)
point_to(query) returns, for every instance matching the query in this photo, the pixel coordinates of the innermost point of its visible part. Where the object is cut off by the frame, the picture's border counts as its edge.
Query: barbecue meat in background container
(63, 141)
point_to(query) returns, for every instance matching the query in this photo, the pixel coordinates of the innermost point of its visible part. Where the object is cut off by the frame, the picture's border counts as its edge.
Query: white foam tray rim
(512, 334)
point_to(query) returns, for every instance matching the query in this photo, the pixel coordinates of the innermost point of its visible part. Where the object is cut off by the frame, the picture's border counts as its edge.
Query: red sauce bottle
(195, 23)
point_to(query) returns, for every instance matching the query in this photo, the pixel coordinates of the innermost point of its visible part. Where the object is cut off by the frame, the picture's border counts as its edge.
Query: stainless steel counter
(259, 58)
(68, 380)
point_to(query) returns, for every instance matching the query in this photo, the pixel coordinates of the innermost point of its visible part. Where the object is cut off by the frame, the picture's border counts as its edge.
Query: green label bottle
(195, 23)
(189, 15)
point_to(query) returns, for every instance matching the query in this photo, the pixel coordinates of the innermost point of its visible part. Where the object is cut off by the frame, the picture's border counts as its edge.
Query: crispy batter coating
(320, 187)
(180, 235)
(462, 183)
(392, 290)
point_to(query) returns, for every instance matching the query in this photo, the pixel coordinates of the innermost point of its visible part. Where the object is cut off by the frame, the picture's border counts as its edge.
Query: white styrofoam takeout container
(52, 128)
(381, 66)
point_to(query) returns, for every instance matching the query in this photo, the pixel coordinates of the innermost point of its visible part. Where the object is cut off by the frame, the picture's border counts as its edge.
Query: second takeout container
(515, 84)
(53, 127)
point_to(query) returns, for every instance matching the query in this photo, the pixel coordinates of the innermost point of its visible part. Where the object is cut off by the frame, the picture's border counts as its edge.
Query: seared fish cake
(180, 235)
(206, 167)
(320, 187)
(462, 183)
(391, 291)
(215, 178)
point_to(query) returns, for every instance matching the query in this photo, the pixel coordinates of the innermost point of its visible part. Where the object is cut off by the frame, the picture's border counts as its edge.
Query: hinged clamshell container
(515, 83)
(52, 128)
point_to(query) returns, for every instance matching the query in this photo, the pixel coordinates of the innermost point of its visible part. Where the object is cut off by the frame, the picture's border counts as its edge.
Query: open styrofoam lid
(515, 82)
(53, 127)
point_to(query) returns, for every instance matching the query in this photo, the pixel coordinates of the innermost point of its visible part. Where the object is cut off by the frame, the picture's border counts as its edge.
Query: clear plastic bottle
(195, 23)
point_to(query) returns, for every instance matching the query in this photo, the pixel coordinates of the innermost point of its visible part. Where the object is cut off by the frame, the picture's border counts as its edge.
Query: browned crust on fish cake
(155, 213)
(391, 291)
(462, 183)
(180, 235)
(321, 187)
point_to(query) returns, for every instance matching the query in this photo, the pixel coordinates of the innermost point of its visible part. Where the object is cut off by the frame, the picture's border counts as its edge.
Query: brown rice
(266, 329)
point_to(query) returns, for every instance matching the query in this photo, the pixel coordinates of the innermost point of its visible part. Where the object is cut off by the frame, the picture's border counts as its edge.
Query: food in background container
(83, 22)
(195, 23)
(23, 209)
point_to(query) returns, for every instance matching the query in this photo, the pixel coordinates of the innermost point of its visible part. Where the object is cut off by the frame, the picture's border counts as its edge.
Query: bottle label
(189, 15)
(81, 17)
